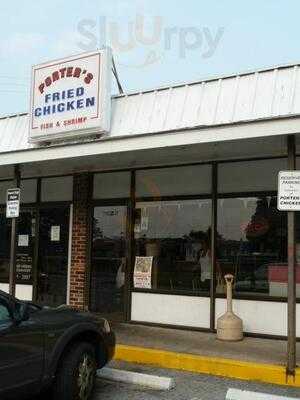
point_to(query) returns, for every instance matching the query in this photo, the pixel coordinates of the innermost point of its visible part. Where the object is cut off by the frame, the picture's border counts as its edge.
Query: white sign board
(143, 272)
(288, 198)
(71, 97)
(13, 203)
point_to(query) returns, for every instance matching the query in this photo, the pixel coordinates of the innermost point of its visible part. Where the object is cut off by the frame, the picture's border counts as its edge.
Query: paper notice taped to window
(55, 233)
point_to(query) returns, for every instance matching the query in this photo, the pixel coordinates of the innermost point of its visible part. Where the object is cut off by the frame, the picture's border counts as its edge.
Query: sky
(155, 43)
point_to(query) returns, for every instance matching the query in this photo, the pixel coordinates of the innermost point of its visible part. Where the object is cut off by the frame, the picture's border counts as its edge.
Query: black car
(52, 350)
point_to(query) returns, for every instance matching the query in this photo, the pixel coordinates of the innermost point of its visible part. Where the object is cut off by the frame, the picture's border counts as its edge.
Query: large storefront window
(251, 232)
(175, 181)
(252, 244)
(177, 234)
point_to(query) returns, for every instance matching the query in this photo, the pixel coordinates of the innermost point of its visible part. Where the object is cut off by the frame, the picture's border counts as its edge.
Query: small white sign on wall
(288, 198)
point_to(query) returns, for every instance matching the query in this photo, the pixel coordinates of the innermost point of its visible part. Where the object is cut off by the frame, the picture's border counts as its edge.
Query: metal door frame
(38, 207)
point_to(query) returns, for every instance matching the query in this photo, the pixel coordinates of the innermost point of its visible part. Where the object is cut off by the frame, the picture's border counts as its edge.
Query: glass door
(108, 263)
(25, 248)
(53, 255)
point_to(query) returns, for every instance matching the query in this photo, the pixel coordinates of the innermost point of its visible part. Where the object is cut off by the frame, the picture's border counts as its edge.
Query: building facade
(186, 175)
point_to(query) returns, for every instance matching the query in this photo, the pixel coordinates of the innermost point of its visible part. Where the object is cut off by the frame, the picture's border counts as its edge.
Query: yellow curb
(225, 367)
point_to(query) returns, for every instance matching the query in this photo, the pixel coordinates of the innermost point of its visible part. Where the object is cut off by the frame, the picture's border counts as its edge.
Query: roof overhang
(241, 140)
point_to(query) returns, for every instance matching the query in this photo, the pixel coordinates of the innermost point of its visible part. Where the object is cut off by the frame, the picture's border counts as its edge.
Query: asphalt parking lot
(189, 386)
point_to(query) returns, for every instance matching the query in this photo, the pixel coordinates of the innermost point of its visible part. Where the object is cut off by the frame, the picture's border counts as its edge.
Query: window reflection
(252, 244)
(109, 261)
(4, 248)
(177, 235)
(25, 247)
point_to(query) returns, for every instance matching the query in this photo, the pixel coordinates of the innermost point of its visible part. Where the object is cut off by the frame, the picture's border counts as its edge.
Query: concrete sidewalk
(251, 359)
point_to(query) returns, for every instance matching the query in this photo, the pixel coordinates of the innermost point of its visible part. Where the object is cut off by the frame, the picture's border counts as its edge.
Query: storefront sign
(71, 97)
(143, 272)
(288, 198)
(13, 203)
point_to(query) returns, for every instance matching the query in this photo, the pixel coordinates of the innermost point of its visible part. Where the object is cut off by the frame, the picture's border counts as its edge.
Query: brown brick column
(80, 239)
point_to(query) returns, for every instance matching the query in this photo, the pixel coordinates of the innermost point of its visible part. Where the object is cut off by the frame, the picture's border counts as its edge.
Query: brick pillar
(80, 240)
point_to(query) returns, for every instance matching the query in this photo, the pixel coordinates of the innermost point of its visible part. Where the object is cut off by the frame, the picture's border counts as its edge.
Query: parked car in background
(57, 350)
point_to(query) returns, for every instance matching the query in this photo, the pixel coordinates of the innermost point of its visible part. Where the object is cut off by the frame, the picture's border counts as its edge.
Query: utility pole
(291, 344)
(13, 240)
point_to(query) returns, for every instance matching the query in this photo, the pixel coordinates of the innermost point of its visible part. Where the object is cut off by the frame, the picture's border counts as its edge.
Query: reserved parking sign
(13, 203)
(288, 198)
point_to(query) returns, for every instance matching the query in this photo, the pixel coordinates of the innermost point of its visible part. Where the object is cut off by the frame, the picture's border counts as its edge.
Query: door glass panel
(4, 248)
(25, 247)
(53, 256)
(252, 245)
(108, 261)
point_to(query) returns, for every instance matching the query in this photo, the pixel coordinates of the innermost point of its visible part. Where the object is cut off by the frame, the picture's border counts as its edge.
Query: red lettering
(48, 81)
(62, 72)
(66, 72)
(55, 76)
(77, 72)
(69, 72)
(41, 88)
(88, 78)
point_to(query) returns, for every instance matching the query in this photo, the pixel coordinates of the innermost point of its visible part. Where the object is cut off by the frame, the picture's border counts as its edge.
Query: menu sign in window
(143, 272)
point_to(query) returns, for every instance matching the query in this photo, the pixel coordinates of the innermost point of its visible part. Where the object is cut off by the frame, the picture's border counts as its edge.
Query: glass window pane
(109, 261)
(188, 180)
(57, 189)
(4, 185)
(25, 246)
(28, 190)
(252, 245)
(5, 230)
(111, 185)
(177, 235)
(53, 255)
(248, 176)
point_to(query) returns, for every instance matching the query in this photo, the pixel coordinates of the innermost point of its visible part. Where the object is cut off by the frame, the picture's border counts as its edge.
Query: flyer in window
(23, 240)
(55, 233)
(143, 272)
